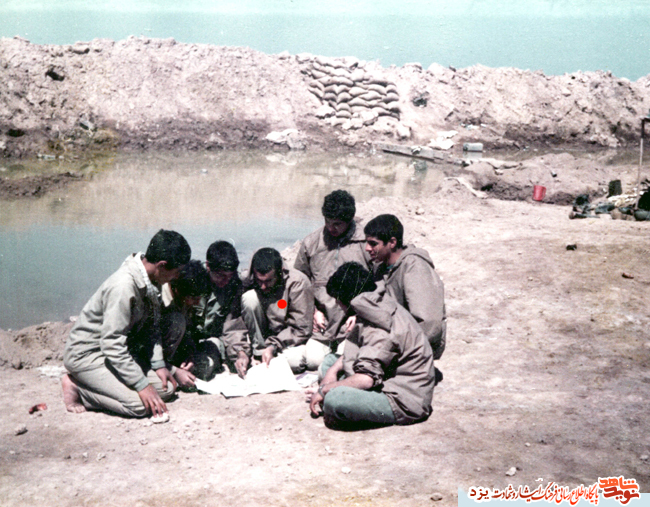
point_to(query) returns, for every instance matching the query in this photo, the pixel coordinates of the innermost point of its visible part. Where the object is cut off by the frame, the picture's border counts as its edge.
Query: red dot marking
(282, 304)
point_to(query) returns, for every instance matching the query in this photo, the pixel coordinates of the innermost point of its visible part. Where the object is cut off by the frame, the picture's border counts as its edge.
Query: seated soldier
(386, 373)
(321, 253)
(203, 327)
(410, 278)
(278, 309)
(223, 325)
(182, 341)
(114, 355)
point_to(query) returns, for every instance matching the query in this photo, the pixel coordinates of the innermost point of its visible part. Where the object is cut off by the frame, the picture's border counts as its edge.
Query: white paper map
(260, 379)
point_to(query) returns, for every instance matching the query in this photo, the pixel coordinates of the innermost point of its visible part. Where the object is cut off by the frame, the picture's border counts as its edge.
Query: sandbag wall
(350, 95)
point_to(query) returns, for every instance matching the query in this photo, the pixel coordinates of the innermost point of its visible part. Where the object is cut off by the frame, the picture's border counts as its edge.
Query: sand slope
(151, 93)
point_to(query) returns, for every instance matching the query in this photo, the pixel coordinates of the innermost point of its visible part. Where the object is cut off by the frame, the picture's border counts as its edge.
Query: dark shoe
(439, 376)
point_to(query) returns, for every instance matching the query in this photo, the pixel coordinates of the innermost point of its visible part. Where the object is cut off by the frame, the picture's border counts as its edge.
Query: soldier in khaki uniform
(203, 327)
(386, 374)
(410, 277)
(114, 354)
(341, 240)
(223, 324)
(278, 309)
(182, 341)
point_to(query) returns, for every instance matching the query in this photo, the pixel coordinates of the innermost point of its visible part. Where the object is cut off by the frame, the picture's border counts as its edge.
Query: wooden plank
(422, 152)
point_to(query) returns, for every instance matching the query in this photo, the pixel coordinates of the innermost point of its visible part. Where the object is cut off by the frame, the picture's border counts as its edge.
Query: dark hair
(222, 256)
(168, 246)
(266, 260)
(385, 227)
(339, 205)
(350, 280)
(193, 280)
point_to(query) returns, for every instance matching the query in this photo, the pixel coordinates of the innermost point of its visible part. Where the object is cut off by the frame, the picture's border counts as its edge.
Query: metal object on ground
(615, 188)
(539, 192)
(473, 147)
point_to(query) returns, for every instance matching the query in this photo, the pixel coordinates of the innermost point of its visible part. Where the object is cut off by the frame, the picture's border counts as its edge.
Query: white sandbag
(324, 111)
(343, 106)
(391, 97)
(326, 80)
(342, 80)
(343, 97)
(377, 88)
(358, 102)
(357, 75)
(371, 95)
(380, 111)
(317, 74)
(338, 89)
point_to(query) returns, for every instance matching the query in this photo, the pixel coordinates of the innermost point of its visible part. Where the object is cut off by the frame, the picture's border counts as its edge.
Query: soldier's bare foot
(71, 395)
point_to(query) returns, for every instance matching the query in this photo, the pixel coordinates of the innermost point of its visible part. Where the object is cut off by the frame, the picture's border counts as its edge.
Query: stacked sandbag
(351, 96)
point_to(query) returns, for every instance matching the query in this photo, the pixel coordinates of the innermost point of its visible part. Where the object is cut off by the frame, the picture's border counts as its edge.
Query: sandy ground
(546, 367)
(546, 370)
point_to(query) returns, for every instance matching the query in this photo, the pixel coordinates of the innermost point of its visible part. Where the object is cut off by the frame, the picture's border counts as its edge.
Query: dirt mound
(35, 186)
(149, 93)
(33, 346)
(564, 176)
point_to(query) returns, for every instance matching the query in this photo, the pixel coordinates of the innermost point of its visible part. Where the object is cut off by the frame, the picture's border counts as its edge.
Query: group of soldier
(358, 306)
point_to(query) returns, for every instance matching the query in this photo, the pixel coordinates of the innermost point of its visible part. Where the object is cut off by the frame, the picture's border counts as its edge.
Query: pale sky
(352, 7)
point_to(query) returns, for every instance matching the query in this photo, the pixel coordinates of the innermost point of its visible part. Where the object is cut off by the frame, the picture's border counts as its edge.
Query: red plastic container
(538, 192)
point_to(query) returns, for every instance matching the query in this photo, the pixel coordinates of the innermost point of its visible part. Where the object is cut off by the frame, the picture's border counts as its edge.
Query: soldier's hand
(268, 354)
(316, 404)
(320, 322)
(152, 401)
(349, 324)
(185, 377)
(165, 376)
(241, 365)
(187, 366)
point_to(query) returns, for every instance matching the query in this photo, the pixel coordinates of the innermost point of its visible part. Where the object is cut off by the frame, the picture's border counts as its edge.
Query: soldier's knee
(314, 358)
(337, 403)
(135, 409)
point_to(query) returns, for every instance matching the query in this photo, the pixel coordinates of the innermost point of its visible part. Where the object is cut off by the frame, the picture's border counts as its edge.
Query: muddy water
(55, 251)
